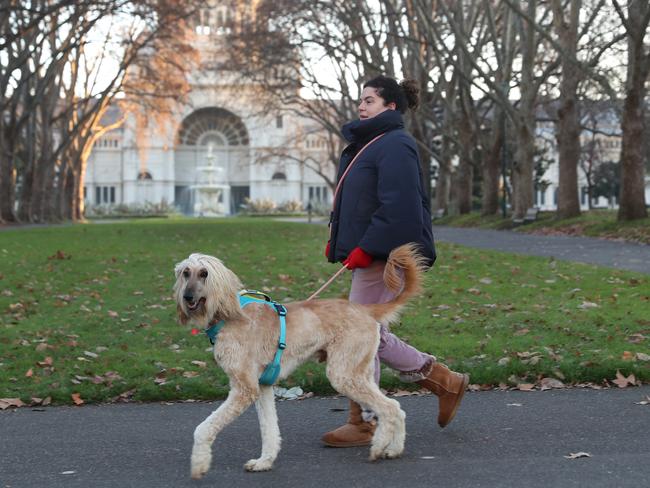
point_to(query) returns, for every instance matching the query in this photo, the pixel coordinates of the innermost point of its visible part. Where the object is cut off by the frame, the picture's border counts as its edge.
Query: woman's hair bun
(412, 91)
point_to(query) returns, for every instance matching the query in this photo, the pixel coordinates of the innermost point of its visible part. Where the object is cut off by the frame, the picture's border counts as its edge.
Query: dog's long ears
(182, 318)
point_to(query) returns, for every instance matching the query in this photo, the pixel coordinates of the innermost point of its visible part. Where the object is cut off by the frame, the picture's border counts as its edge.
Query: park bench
(531, 216)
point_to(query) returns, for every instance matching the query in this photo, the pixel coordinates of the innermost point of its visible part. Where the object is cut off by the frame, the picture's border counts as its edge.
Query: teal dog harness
(246, 297)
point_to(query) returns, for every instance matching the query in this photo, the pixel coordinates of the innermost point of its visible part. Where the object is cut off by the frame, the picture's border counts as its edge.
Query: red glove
(358, 258)
(327, 250)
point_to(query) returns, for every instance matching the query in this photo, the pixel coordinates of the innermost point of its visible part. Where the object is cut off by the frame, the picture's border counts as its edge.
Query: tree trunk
(491, 167)
(523, 167)
(568, 141)
(568, 125)
(632, 195)
(465, 172)
(7, 179)
(443, 184)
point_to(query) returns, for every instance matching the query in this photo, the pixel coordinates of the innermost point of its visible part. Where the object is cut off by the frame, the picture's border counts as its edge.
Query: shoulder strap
(338, 186)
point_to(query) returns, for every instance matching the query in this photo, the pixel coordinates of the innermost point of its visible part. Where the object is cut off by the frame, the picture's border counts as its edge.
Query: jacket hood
(365, 129)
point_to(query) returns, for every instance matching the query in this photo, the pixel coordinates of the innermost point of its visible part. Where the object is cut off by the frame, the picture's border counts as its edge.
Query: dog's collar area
(246, 297)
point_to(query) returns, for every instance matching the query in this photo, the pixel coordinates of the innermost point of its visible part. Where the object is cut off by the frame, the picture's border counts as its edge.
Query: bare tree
(55, 91)
(635, 19)
(568, 126)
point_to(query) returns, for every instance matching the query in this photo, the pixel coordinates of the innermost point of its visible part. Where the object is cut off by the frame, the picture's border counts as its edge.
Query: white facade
(259, 156)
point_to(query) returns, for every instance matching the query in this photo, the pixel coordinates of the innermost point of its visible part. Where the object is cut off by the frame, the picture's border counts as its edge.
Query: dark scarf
(359, 132)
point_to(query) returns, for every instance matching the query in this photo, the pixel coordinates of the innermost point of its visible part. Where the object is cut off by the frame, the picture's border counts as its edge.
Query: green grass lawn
(87, 310)
(593, 223)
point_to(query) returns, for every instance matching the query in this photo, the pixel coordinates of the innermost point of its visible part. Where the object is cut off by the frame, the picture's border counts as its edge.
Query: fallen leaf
(285, 278)
(636, 338)
(587, 305)
(644, 402)
(521, 332)
(549, 383)
(113, 314)
(76, 398)
(577, 455)
(623, 382)
(59, 255)
(200, 364)
(30, 373)
(48, 361)
(525, 387)
(642, 357)
(628, 356)
(10, 402)
(403, 393)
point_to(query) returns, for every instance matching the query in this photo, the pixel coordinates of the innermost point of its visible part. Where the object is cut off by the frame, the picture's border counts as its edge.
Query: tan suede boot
(356, 432)
(449, 386)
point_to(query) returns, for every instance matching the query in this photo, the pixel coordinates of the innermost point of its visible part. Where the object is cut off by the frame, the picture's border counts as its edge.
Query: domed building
(218, 151)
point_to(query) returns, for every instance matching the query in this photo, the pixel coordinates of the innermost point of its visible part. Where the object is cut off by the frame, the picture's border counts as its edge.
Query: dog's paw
(393, 452)
(200, 463)
(197, 474)
(375, 453)
(260, 464)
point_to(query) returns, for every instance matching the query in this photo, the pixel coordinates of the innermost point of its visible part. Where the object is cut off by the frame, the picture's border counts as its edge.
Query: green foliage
(87, 309)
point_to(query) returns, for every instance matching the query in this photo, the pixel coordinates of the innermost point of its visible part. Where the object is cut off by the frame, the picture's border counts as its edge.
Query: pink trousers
(368, 287)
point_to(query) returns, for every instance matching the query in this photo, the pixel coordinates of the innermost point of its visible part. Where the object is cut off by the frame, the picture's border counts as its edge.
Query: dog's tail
(402, 275)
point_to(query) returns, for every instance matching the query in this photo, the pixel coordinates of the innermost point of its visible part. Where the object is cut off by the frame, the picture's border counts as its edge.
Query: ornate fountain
(211, 199)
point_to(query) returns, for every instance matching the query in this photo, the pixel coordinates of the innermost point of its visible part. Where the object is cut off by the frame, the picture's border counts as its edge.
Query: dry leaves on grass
(551, 383)
(5, 403)
(623, 381)
(59, 255)
(76, 398)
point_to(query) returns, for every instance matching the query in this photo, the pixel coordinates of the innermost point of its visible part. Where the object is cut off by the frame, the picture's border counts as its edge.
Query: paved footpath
(601, 252)
(612, 254)
(498, 439)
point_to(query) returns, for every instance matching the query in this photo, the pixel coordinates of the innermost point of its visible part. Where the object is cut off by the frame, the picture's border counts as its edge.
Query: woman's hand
(358, 258)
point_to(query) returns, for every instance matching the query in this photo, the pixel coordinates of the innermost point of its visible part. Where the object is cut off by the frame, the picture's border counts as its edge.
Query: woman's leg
(413, 365)
(368, 287)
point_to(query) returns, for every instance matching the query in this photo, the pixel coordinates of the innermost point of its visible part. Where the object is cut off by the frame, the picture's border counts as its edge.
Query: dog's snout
(188, 296)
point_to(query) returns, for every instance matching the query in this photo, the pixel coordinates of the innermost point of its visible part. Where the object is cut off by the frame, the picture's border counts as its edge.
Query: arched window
(216, 120)
(279, 175)
(144, 176)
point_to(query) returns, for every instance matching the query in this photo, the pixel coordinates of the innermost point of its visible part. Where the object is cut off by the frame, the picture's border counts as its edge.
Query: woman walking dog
(380, 203)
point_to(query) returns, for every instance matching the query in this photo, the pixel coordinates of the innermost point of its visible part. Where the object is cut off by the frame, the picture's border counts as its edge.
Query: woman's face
(372, 104)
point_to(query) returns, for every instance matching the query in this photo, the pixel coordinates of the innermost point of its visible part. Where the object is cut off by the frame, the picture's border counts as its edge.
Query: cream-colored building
(218, 143)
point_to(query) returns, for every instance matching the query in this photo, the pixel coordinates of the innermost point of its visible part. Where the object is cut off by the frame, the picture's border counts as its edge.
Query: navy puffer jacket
(382, 203)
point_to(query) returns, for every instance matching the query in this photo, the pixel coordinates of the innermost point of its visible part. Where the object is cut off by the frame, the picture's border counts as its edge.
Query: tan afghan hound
(206, 292)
